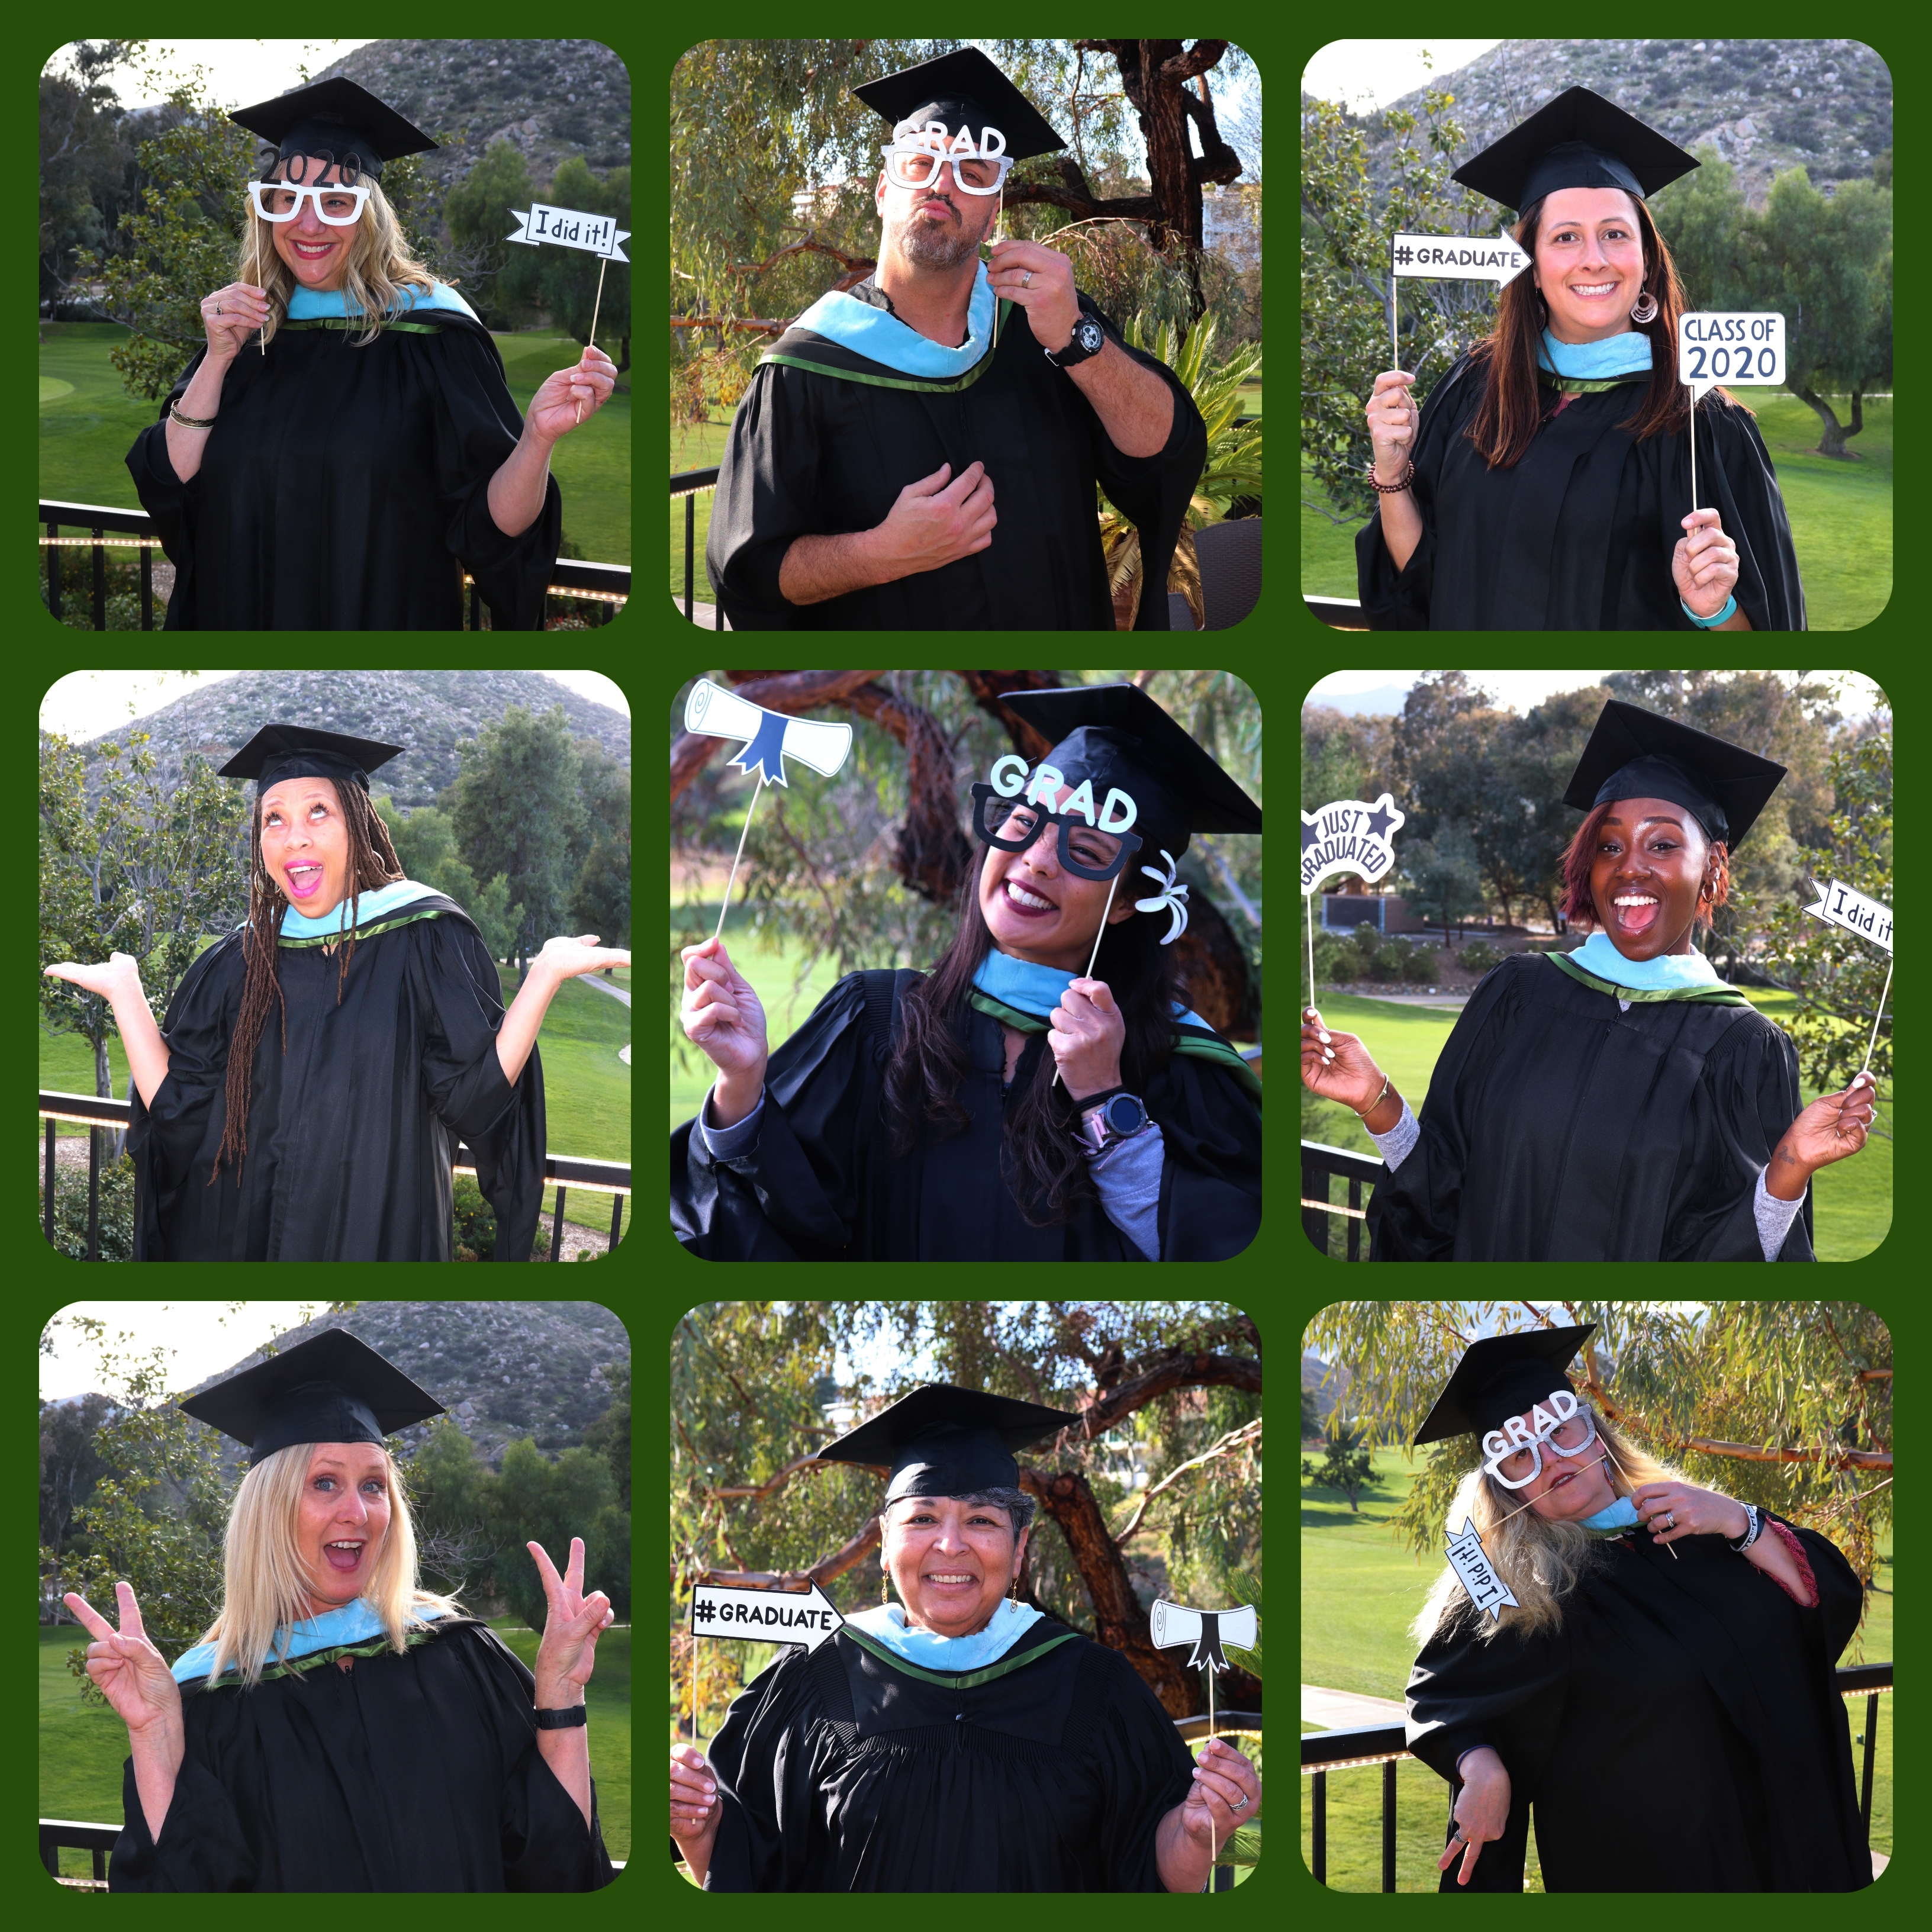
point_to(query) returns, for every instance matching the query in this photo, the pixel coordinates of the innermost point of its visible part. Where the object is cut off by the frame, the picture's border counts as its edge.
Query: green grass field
(83, 1746)
(1360, 1588)
(1851, 1200)
(1840, 512)
(88, 423)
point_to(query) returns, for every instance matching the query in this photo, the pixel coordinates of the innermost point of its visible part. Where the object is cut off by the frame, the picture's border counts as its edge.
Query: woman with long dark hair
(1007, 1106)
(1548, 484)
(322, 1063)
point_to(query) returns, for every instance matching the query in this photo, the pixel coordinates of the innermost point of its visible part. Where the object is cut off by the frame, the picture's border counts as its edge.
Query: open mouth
(344, 1558)
(1593, 291)
(1635, 912)
(313, 251)
(1027, 904)
(303, 880)
(949, 1579)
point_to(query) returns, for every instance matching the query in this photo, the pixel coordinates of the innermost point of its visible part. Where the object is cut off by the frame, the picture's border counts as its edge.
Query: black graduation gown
(840, 1771)
(1681, 1733)
(1558, 1127)
(1578, 535)
(820, 1182)
(347, 489)
(416, 1773)
(352, 1133)
(813, 453)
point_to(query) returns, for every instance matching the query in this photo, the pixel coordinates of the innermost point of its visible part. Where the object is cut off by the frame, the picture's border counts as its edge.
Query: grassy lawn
(88, 423)
(1360, 1588)
(82, 1748)
(1851, 1201)
(1840, 512)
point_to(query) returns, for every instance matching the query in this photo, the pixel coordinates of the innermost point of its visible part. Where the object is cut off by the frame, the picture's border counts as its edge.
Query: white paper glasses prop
(766, 1616)
(1715, 346)
(1348, 835)
(771, 736)
(1513, 1454)
(1170, 1625)
(916, 156)
(571, 228)
(1870, 919)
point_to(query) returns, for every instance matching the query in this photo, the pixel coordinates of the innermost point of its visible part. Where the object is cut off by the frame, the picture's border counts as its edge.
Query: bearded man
(921, 451)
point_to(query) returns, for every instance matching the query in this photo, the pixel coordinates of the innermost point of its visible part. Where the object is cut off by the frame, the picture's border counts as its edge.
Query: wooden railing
(1319, 1161)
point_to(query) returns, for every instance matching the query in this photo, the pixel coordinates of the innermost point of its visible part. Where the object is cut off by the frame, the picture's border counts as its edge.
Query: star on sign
(1378, 823)
(1309, 835)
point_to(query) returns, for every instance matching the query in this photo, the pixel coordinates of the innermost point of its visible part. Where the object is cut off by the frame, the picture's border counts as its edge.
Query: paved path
(604, 985)
(1345, 1711)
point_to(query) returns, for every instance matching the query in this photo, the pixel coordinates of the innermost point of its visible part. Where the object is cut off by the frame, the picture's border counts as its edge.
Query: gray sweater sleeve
(1127, 1173)
(720, 1143)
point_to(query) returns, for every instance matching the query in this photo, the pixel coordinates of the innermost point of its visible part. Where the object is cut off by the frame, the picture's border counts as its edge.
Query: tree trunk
(1212, 972)
(1832, 432)
(1858, 413)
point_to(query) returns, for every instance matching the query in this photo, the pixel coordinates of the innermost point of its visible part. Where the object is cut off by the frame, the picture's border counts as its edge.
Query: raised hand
(1391, 416)
(231, 317)
(571, 396)
(1227, 1795)
(567, 957)
(721, 1013)
(695, 1806)
(131, 1673)
(1087, 1032)
(567, 1654)
(118, 974)
(1704, 565)
(1336, 1065)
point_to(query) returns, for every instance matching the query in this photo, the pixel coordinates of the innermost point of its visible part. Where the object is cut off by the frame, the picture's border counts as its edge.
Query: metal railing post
(556, 1227)
(99, 580)
(147, 588)
(616, 1221)
(1871, 1752)
(47, 1206)
(53, 571)
(1355, 1226)
(94, 1194)
(690, 539)
(1388, 1825)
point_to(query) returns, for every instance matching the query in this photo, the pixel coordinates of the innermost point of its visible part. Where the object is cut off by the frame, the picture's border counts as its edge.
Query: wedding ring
(1670, 1519)
(1026, 278)
(1235, 1804)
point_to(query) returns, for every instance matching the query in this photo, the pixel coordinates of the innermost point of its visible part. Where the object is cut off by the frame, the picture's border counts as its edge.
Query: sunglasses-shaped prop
(1013, 827)
(1561, 1424)
(914, 157)
(339, 204)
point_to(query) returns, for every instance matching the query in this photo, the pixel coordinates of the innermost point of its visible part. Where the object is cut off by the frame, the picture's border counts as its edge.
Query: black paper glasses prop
(1019, 827)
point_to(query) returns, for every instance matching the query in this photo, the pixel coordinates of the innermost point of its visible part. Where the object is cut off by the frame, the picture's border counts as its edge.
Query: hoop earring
(1643, 310)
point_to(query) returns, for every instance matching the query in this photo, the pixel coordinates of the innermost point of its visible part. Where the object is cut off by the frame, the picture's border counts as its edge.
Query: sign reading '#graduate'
(1348, 836)
(1842, 906)
(1487, 1591)
(1466, 258)
(570, 228)
(1174, 1624)
(769, 1616)
(1715, 347)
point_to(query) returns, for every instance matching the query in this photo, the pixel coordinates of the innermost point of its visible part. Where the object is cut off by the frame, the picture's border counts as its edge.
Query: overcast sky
(1363, 75)
(199, 1346)
(240, 72)
(1522, 691)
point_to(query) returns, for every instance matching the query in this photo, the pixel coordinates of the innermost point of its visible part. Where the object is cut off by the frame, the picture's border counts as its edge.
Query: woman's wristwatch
(1111, 1116)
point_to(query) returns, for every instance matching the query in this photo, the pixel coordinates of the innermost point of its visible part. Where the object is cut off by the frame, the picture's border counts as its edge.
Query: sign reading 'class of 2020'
(1715, 346)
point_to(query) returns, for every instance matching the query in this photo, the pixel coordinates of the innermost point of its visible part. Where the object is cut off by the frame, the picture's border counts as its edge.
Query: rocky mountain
(1765, 105)
(551, 99)
(431, 712)
(504, 1369)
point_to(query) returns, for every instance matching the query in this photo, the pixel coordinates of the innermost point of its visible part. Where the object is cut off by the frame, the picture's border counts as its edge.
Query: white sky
(1522, 691)
(1366, 74)
(240, 72)
(85, 704)
(199, 1346)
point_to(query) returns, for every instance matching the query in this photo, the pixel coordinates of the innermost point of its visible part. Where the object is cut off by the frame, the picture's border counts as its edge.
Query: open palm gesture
(567, 957)
(129, 1669)
(574, 1623)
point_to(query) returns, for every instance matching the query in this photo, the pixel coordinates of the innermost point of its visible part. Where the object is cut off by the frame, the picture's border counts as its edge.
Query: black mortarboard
(941, 1440)
(279, 752)
(337, 118)
(1579, 140)
(331, 1388)
(962, 89)
(1501, 1376)
(1635, 754)
(1115, 734)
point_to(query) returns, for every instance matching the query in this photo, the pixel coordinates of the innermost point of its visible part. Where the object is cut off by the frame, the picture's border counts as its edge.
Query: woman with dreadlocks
(321, 1062)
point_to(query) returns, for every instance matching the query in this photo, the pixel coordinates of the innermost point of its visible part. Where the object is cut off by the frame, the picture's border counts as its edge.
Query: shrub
(1396, 959)
(473, 1231)
(117, 1210)
(1479, 955)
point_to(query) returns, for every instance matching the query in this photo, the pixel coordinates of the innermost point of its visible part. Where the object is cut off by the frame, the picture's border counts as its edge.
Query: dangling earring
(1643, 310)
(885, 1593)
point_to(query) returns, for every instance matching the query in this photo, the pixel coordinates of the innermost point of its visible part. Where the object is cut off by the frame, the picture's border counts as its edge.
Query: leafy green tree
(1346, 1466)
(535, 1500)
(504, 284)
(1446, 885)
(425, 845)
(610, 1433)
(84, 159)
(71, 1463)
(1709, 226)
(448, 1485)
(601, 898)
(1311, 1414)
(568, 277)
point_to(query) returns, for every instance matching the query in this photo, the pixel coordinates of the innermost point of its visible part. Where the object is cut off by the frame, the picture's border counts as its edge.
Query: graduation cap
(941, 1441)
(1579, 140)
(962, 89)
(331, 1388)
(279, 752)
(1501, 1376)
(1116, 736)
(1635, 754)
(337, 118)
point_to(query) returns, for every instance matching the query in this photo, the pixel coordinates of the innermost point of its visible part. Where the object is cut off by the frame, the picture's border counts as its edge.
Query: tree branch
(1198, 59)
(1235, 1438)
(1224, 872)
(1744, 1452)
(1165, 1372)
(765, 1490)
(858, 266)
(763, 324)
(821, 1572)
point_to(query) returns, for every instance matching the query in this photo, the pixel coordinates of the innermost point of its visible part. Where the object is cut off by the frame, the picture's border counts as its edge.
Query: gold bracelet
(1376, 1102)
(190, 422)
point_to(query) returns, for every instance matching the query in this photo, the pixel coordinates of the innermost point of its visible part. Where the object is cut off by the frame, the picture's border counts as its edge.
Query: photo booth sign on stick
(1487, 1591)
(1730, 346)
(1348, 835)
(571, 228)
(771, 737)
(1840, 905)
(1459, 258)
(1204, 1632)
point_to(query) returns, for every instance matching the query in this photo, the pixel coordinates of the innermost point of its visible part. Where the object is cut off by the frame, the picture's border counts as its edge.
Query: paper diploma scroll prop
(1461, 258)
(1487, 1591)
(771, 737)
(1715, 347)
(1347, 836)
(570, 228)
(1870, 919)
(1205, 1631)
(768, 1616)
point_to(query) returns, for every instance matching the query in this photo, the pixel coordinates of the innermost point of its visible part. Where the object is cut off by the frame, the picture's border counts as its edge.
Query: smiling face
(1564, 1491)
(950, 1561)
(1589, 262)
(1036, 910)
(305, 844)
(1650, 865)
(934, 225)
(316, 252)
(344, 1517)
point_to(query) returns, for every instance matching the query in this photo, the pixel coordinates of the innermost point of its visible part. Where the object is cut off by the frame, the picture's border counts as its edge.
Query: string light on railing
(100, 543)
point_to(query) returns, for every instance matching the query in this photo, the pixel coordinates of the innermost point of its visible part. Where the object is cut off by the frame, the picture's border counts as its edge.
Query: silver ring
(1670, 1519)
(1235, 1804)
(1026, 278)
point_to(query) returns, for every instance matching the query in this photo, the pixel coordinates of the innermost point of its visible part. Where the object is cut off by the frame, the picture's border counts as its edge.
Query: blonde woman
(339, 1728)
(345, 446)
(1669, 1648)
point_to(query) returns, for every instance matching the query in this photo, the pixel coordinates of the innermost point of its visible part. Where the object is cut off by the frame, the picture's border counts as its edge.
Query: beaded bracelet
(1392, 489)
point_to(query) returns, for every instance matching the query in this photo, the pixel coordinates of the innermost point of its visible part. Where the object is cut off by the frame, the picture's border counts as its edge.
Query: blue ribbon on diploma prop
(1487, 1591)
(1840, 904)
(770, 737)
(571, 228)
(1346, 835)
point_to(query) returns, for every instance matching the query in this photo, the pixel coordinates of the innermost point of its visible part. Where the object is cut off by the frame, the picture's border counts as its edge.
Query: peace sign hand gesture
(568, 1652)
(129, 1669)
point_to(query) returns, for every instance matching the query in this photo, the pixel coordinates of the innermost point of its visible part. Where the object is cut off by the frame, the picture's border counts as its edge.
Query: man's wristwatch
(563, 1718)
(1089, 339)
(1117, 1116)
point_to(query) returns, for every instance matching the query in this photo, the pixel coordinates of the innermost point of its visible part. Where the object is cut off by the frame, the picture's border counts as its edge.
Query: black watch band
(1088, 339)
(566, 1718)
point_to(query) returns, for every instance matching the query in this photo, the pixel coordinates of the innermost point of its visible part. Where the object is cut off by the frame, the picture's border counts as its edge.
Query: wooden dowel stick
(733, 879)
(1872, 1044)
(596, 309)
(1095, 955)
